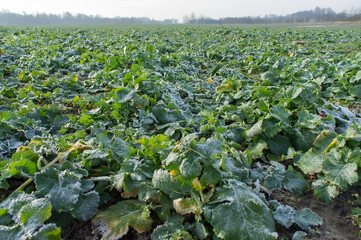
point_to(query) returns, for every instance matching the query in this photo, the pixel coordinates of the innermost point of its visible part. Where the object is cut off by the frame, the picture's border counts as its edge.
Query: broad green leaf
(281, 113)
(255, 130)
(61, 188)
(292, 92)
(209, 148)
(210, 176)
(166, 115)
(35, 213)
(198, 229)
(340, 173)
(295, 182)
(355, 91)
(279, 144)
(270, 76)
(271, 127)
(303, 139)
(324, 191)
(299, 235)
(123, 95)
(285, 215)
(190, 168)
(140, 101)
(171, 229)
(353, 132)
(163, 181)
(310, 162)
(120, 149)
(117, 181)
(236, 212)
(273, 181)
(28, 216)
(23, 161)
(11, 232)
(47, 232)
(147, 193)
(114, 222)
(305, 218)
(356, 78)
(256, 149)
(86, 206)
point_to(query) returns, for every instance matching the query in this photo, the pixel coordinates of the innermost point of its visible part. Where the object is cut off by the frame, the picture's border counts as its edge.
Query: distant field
(180, 132)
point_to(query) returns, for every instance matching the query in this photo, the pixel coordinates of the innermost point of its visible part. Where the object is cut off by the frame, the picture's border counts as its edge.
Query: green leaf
(271, 127)
(28, 216)
(48, 232)
(299, 235)
(61, 188)
(324, 191)
(210, 176)
(35, 213)
(209, 148)
(256, 149)
(163, 181)
(255, 130)
(281, 113)
(140, 101)
(147, 193)
(123, 95)
(236, 212)
(25, 162)
(86, 206)
(120, 149)
(273, 181)
(295, 182)
(279, 144)
(284, 215)
(166, 115)
(171, 229)
(357, 77)
(292, 92)
(310, 162)
(190, 168)
(114, 222)
(198, 229)
(340, 173)
(303, 139)
(355, 91)
(305, 218)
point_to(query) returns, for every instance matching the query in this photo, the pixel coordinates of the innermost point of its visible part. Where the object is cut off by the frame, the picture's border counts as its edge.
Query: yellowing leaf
(114, 222)
(185, 206)
(173, 173)
(325, 141)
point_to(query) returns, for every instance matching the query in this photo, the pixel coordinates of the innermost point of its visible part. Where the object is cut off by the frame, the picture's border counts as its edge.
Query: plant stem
(61, 156)
(104, 178)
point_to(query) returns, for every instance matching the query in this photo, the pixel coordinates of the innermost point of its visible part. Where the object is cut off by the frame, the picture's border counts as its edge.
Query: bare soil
(337, 223)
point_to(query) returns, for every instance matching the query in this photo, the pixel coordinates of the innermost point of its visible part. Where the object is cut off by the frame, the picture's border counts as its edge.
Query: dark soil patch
(337, 225)
(356, 107)
(13, 185)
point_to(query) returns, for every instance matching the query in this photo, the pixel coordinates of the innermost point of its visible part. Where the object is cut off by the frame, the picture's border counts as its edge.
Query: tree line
(316, 15)
(16, 19)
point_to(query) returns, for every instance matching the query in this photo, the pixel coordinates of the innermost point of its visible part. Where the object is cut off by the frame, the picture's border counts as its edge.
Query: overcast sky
(162, 9)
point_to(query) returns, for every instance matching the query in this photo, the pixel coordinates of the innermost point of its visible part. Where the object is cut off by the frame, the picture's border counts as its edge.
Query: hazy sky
(161, 9)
